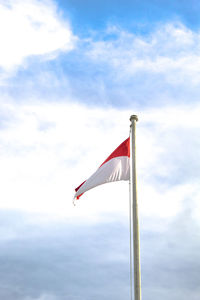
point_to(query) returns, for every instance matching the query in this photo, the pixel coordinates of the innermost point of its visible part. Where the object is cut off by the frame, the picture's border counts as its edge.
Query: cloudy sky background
(71, 74)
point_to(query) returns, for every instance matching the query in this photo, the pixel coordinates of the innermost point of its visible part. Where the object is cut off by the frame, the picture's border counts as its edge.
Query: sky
(71, 75)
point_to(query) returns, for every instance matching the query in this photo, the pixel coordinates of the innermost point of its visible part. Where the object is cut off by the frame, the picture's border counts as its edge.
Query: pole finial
(133, 117)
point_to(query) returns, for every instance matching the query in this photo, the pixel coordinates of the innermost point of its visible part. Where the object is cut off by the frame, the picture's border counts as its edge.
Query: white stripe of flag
(116, 167)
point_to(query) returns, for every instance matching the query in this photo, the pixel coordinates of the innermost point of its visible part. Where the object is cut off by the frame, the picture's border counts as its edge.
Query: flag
(116, 167)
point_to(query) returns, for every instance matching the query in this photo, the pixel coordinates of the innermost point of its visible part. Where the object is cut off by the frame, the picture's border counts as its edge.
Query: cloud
(47, 261)
(32, 28)
(119, 68)
(125, 68)
(47, 149)
(167, 259)
(169, 49)
(62, 259)
(43, 297)
(42, 142)
(50, 147)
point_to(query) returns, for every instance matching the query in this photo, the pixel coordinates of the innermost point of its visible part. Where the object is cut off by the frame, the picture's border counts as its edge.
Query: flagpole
(135, 221)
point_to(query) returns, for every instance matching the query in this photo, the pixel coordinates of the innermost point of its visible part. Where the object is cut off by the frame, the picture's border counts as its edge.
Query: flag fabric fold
(116, 167)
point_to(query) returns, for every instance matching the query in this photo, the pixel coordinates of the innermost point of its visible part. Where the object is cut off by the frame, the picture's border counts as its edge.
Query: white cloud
(29, 28)
(171, 50)
(47, 149)
(42, 297)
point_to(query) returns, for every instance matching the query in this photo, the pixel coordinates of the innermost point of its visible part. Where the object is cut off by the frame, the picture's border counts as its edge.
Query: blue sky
(71, 74)
(138, 15)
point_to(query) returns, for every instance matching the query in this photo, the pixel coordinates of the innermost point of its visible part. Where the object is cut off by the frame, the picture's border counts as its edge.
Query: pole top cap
(133, 117)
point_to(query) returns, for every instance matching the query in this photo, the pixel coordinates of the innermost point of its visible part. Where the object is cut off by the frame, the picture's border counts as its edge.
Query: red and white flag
(116, 167)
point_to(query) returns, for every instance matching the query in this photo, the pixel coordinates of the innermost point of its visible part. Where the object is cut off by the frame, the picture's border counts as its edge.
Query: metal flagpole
(135, 221)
